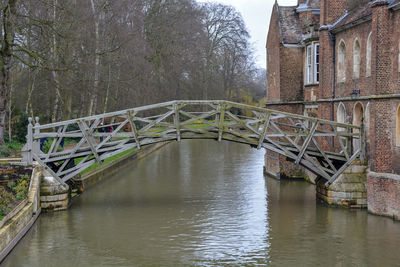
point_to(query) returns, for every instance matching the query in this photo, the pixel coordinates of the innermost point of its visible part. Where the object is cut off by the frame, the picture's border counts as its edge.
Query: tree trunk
(93, 96)
(55, 116)
(108, 89)
(9, 11)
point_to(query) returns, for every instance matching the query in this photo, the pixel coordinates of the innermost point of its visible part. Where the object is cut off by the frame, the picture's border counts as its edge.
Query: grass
(95, 165)
(196, 126)
(158, 130)
(15, 145)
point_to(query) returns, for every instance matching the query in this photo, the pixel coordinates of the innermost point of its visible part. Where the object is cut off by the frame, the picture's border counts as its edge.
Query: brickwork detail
(384, 194)
(373, 71)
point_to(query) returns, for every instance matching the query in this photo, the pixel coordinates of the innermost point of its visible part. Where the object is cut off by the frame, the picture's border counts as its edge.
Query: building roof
(309, 5)
(289, 25)
(394, 2)
(354, 16)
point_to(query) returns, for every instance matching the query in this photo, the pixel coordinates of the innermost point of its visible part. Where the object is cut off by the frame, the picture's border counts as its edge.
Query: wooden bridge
(67, 148)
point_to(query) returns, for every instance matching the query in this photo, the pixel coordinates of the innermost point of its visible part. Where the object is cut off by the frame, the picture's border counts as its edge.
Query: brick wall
(381, 52)
(325, 81)
(383, 194)
(332, 10)
(291, 73)
(361, 33)
(273, 58)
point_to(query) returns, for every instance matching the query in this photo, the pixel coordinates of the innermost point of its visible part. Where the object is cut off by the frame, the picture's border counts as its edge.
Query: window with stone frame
(356, 59)
(312, 63)
(369, 55)
(341, 64)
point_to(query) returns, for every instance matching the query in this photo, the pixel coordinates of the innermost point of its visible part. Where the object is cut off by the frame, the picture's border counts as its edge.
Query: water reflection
(205, 203)
(196, 203)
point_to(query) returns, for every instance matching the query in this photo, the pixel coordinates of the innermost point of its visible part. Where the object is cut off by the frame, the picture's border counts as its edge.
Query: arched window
(369, 55)
(367, 120)
(356, 59)
(341, 113)
(341, 74)
(398, 126)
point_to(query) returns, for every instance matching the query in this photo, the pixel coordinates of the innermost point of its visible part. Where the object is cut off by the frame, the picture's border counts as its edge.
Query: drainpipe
(333, 39)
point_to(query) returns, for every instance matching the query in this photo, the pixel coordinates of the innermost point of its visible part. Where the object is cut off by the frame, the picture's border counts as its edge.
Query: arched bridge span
(67, 148)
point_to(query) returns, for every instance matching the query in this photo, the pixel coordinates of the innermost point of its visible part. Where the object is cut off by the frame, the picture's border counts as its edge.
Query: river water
(204, 203)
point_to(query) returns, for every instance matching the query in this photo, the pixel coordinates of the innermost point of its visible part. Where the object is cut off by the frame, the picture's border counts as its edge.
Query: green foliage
(11, 184)
(20, 128)
(5, 199)
(4, 151)
(20, 187)
(47, 145)
(15, 145)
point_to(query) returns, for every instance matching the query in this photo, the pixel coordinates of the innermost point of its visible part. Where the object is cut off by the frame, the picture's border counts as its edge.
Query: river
(204, 203)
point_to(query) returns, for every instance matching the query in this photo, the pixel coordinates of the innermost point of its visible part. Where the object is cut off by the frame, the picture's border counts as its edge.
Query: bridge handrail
(193, 102)
(298, 137)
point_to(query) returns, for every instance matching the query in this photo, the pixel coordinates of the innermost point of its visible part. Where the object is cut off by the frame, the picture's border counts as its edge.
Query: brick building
(340, 60)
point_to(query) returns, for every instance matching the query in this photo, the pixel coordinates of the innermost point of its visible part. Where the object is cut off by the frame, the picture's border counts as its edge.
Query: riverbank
(94, 176)
(21, 218)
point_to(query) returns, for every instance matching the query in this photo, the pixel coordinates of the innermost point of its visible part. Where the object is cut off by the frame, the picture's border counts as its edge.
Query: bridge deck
(322, 146)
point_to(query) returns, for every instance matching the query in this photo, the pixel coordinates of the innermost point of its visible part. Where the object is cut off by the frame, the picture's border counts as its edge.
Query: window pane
(316, 63)
(309, 64)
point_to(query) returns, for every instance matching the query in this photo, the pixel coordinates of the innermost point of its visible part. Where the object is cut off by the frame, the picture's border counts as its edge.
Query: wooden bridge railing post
(176, 122)
(27, 150)
(221, 121)
(36, 141)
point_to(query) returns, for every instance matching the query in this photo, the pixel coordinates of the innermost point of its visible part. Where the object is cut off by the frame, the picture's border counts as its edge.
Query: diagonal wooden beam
(264, 130)
(324, 155)
(341, 170)
(131, 117)
(87, 134)
(308, 158)
(37, 158)
(157, 121)
(111, 135)
(55, 141)
(344, 148)
(307, 141)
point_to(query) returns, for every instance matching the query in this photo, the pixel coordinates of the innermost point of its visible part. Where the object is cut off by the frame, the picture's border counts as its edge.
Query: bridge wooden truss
(67, 148)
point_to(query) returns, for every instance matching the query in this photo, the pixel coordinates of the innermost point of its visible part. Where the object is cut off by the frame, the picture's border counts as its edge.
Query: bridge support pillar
(53, 195)
(348, 190)
(279, 167)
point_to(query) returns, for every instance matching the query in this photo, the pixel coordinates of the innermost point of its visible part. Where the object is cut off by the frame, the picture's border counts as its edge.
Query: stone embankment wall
(384, 194)
(22, 217)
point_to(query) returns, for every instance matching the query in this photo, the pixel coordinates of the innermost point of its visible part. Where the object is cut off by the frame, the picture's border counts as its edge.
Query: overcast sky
(256, 14)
